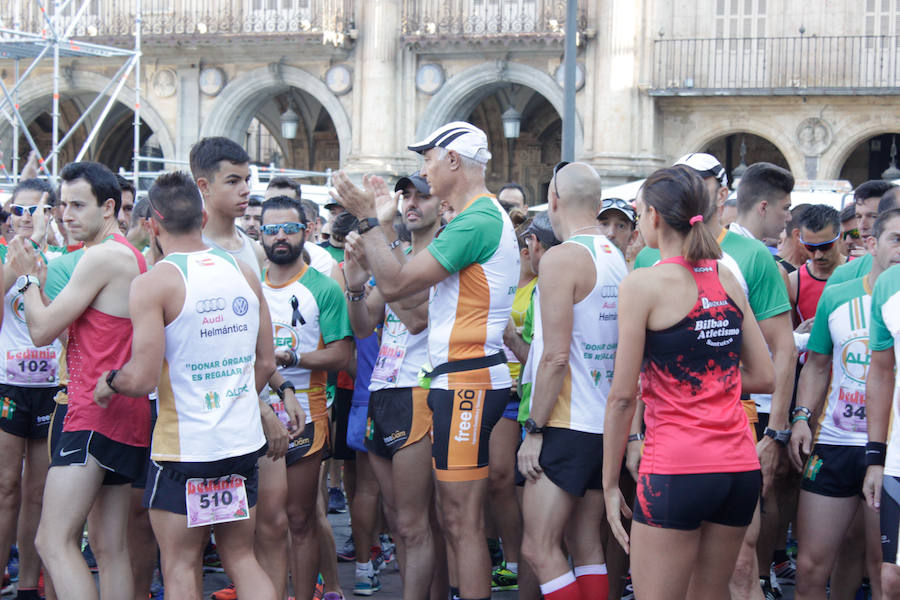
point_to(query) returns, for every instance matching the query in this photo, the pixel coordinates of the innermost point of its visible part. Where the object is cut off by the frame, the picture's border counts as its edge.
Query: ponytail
(679, 196)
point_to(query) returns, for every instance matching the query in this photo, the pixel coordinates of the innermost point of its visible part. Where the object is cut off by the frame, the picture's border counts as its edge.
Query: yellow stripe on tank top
(166, 436)
(562, 410)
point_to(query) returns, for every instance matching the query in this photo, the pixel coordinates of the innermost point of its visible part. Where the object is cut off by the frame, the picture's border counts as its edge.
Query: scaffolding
(54, 40)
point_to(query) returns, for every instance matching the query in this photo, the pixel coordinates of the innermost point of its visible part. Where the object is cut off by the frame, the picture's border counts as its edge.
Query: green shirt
(854, 269)
(762, 281)
(59, 272)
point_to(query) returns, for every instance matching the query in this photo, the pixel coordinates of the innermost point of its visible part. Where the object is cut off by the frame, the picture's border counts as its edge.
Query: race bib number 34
(216, 500)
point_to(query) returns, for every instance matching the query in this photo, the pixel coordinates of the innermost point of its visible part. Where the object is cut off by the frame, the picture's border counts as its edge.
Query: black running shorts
(463, 420)
(123, 463)
(686, 501)
(25, 411)
(836, 471)
(397, 418)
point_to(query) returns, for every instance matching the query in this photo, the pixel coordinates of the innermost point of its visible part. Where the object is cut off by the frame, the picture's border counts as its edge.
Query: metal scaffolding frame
(54, 39)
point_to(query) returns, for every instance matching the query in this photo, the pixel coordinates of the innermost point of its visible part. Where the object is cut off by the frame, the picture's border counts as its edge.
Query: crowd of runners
(684, 396)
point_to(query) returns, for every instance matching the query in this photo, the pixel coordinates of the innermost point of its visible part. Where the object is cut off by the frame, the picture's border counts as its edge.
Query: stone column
(620, 120)
(187, 119)
(376, 147)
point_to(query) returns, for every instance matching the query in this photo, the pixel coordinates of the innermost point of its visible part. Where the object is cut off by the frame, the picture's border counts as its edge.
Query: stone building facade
(812, 86)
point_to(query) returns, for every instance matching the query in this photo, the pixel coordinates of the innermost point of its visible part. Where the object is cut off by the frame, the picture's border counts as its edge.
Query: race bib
(388, 362)
(31, 366)
(216, 500)
(849, 413)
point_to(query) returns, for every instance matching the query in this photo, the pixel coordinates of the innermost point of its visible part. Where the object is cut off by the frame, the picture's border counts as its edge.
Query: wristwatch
(287, 385)
(532, 427)
(23, 281)
(782, 437)
(367, 224)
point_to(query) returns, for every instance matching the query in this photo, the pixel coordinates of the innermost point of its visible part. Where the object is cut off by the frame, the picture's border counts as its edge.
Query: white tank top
(581, 404)
(24, 365)
(400, 355)
(208, 406)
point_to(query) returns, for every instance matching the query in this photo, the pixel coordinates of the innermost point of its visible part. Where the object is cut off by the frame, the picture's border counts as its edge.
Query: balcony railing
(451, 18)
(116, 18)
(791, 65)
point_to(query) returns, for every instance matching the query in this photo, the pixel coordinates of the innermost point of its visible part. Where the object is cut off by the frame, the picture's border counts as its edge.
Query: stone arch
(464, 91)
(242, 98)
(703, 137)
(40, 88)
(852, 134)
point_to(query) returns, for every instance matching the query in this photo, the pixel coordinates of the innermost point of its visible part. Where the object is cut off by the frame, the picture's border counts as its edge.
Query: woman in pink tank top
(690, 336)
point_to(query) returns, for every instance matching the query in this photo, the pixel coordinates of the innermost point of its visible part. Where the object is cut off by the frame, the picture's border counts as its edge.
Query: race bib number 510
(216, 500)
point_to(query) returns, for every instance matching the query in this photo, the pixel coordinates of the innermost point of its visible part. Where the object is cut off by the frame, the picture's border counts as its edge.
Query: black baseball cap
(416, 180)
(541, 229)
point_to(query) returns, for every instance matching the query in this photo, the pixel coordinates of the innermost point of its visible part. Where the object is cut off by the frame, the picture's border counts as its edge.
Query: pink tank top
(691, 385)
(100, 342)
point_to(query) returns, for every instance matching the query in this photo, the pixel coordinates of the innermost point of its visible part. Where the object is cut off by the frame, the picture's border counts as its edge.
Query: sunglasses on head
(821, 246)
(19, 210)
(556, 170)
(288, 228)
(852, 233)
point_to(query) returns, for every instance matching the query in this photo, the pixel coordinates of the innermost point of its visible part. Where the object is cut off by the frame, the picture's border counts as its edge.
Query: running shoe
(504, 580)
(12, 567)
(388, 548)
(348, 552)
(496, 552)
(226, 593)
(785, 573)
(7, 588)
(768, 592)
(377, 557)
(337, 503)
(774, 581)
(628, 590)
(211, 561)
(366, 584)
(89, 558)
(319, 590)
(332, 596)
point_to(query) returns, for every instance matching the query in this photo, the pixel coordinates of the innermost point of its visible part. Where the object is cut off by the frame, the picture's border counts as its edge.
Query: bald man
(573, 352)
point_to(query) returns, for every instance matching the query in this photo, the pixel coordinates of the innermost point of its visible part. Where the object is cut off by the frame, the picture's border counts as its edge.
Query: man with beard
(312, 336)
(399, 418)
(101, 449)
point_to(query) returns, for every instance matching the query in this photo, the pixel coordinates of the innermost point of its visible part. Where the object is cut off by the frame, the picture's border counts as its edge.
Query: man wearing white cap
(471, 269)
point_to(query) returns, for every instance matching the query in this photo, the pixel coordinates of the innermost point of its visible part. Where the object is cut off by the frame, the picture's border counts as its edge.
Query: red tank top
(691, 385)
(100, 342)
(809, 290)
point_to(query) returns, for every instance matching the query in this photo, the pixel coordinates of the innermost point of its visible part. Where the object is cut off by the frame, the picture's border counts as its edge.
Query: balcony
(805, 65)
(436, 21)
(329, 19)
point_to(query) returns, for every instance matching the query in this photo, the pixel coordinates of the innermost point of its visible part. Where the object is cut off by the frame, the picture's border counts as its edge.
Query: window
(741, 18)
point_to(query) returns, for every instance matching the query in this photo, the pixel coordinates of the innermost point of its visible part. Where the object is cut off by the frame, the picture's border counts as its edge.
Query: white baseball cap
(463, 138)
(706, 165)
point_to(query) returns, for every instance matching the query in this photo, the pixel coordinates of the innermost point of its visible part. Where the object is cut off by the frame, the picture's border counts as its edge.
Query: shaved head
(578, 186)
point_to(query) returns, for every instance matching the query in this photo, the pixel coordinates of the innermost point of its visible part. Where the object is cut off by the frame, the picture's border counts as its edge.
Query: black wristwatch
(782, 437)
(532, 427)
(109, 380)
(287, 385)
(367, 224)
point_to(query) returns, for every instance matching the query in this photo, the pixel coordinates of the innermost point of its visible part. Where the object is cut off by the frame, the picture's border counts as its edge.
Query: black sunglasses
(821, 246)
(556, 170)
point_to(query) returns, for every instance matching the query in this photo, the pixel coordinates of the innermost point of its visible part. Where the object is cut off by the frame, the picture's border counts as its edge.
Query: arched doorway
(528, 159)
(264, 94)
(35, 101)
(870, 158)
(747, 148)
(315, 145)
